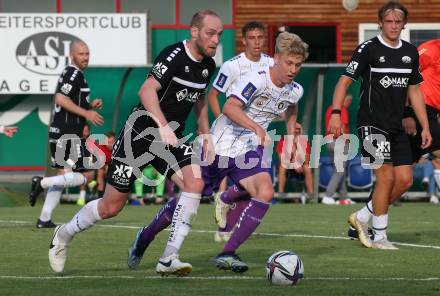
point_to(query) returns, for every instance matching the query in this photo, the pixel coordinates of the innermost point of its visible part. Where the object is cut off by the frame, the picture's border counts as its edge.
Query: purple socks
(249, 220)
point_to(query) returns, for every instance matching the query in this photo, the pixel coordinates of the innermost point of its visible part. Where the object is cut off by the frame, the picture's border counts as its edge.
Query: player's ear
(194, 31)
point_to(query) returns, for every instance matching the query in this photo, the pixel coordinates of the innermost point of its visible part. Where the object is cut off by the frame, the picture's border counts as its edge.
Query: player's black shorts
(131, 155)
(380, 146)
(434, 128)
(70, 153)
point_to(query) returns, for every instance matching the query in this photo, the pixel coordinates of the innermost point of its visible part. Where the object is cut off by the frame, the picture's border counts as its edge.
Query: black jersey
(71, 84)
(184, 81)
(386, 74)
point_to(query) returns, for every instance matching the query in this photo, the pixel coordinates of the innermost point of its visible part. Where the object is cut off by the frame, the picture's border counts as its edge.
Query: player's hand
(263, 137)
(96, 104)
(409, 124)
(9, 131)
(426, 139)
(208, 150)
(335, 125)
(94, 117)
(167, 135)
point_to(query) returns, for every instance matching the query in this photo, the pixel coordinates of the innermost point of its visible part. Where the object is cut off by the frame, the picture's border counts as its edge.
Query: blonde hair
(290, 43)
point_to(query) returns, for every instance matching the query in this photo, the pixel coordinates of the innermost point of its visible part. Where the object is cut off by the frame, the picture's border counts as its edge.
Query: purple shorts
(237, 168)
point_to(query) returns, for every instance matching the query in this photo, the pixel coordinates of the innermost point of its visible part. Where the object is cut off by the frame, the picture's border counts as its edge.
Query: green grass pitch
(333, 264)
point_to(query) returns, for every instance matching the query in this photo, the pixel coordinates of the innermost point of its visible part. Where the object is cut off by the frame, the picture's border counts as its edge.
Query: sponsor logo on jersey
(382, 59)
(221, 80)
(66, 88)
(122, 174)
(190, 96)
(406, 59)
(394, 81)
(351, 68)
(383, 149)
(45, 53)
(159, 69)
(205, 73)
(187, 69)
(248, 90)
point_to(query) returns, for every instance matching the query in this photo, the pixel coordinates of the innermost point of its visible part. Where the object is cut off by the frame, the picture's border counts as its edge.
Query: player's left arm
(290, 117)
(201, 111)
(416, 98)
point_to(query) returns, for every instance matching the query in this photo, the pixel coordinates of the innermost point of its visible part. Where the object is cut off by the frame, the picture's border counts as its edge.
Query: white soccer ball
(284, 268)
(350, 5)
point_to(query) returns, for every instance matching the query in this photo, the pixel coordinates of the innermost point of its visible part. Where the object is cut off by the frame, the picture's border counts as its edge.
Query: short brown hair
(197, 19)
(110, 134)
(392, 5)
(251, 26)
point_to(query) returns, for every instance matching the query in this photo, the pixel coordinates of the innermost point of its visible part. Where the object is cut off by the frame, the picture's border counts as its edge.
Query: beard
(202, 50)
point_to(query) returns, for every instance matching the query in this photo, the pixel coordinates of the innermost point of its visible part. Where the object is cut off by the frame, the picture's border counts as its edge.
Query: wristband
(336, 111)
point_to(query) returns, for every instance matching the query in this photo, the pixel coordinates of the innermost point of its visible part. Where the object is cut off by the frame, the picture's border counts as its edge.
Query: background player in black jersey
(152, 135)
(67, 146)
(389, 68)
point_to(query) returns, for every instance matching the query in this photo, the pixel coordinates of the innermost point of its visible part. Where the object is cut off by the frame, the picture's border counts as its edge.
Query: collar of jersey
(74, 66)
(189, 53)
(387, 45)
(250, 61)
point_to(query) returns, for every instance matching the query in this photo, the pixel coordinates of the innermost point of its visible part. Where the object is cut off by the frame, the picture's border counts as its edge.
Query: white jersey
(232, 71)
(263, 102)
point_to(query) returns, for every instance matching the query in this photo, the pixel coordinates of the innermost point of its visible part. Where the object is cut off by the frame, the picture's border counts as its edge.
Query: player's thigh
(259, 186)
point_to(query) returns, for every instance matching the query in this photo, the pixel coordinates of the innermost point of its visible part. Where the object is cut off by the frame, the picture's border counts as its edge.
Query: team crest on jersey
(351, 68)
(281, 105)
(248, 91)
(382, 59)
(66, 88)
(221, 80)
(205, 73)
(406, 59)
(261, 101)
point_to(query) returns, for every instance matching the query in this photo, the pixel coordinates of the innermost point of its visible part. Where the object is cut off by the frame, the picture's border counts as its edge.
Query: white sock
(67, 180)
(53, 197)
(84, 219)
(186, 210)
(437, 177)
(380, 224)
(364, 215)
(82, 194)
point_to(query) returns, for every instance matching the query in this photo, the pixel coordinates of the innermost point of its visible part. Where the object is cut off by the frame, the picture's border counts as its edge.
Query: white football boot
(172, 265)
(57, 252)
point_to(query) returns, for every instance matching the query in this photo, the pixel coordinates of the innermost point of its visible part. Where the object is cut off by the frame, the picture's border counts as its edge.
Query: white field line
(208, 278)
(257, 233)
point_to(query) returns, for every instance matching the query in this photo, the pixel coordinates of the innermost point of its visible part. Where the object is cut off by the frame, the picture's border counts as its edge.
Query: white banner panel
(34, 48)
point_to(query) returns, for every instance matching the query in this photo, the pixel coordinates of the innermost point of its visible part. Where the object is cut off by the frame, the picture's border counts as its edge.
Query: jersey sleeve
(248, 88)
(359, 62)
(416, 76)
(69, 83)
(165, 65)
(224, 77)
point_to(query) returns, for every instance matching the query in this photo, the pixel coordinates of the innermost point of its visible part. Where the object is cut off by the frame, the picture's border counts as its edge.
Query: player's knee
(404, 182)
(194, 185)
(109, 210)
(265, 193)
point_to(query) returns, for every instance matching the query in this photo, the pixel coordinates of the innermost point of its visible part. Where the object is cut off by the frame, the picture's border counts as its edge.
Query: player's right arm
(67, 104)
(355, 68)
(160, 76)
(221, 84)
(245, 91)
